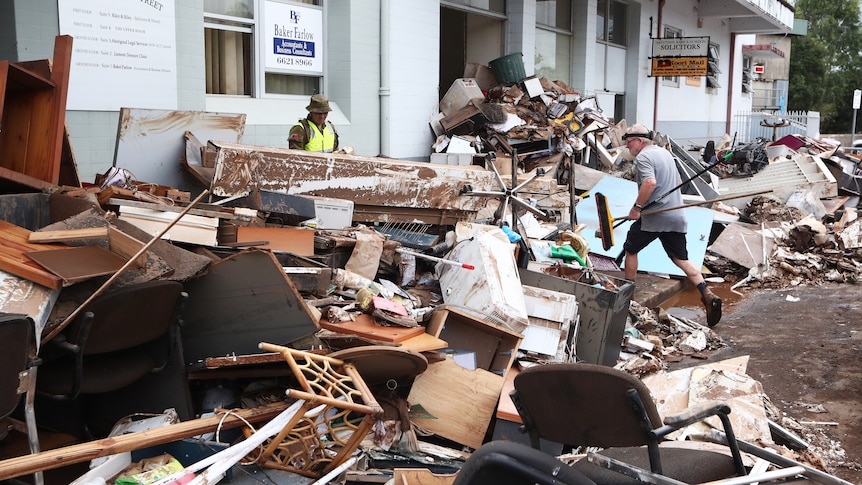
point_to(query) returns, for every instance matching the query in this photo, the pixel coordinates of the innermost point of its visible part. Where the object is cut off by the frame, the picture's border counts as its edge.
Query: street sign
(679, 66)
(680, 47)
(857, 98)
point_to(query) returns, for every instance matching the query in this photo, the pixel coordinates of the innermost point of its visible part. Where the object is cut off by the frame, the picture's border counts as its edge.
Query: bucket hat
(319, 104)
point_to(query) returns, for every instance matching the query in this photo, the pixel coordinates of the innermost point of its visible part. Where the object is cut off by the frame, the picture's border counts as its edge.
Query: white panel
(616, 70)
(621, 195)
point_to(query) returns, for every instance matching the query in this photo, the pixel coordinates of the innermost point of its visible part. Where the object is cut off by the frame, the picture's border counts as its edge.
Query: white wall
(692, 112)
(413, 73)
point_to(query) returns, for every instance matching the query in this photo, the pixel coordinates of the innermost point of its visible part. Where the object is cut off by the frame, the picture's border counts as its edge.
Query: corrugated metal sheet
(783, 178)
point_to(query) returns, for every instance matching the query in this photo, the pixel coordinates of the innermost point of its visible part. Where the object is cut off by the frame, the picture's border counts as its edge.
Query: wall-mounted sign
(123, 54)
(679, 66)
(680, 47)
(294, 37)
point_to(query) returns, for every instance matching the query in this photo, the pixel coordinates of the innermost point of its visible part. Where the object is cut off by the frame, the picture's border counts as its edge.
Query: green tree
(825, 65)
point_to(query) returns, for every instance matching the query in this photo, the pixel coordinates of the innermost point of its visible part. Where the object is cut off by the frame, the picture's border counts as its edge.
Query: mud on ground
(805, 347)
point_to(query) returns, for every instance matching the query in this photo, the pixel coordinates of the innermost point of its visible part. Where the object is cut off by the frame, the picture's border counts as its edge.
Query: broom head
(606, 223)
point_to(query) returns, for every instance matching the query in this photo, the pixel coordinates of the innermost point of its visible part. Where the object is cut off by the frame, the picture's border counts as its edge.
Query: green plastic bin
(508, 69)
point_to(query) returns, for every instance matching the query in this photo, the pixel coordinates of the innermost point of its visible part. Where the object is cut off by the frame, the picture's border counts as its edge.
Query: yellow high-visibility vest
(320, 142)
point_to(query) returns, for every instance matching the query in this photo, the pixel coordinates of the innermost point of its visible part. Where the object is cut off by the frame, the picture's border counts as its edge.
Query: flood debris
(429, 285)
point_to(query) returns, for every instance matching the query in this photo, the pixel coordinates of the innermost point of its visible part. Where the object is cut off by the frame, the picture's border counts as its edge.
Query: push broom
(607, 223)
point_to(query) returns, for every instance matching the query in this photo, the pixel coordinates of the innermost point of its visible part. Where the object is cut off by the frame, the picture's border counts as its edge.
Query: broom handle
(719, 199)
(59, 328)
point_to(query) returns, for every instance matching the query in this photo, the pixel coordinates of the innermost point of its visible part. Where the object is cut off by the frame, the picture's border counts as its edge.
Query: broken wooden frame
(68, 455)
(33, 113)
(314, 443)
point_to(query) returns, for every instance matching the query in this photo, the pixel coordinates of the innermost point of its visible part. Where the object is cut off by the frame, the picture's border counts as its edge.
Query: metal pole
(853, 129)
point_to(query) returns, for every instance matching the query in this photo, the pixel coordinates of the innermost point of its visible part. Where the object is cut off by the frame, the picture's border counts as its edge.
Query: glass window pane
(554, 13)
(498, 6)
(233, 8)
(228, 62)
(601, 13)
(290, 84)
(553, 56)
(617, 23)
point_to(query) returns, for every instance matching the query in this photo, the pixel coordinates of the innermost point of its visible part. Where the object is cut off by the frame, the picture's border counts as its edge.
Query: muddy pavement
(805, 347)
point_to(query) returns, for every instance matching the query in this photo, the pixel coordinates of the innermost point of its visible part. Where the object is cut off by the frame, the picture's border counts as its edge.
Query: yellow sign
(678, 66)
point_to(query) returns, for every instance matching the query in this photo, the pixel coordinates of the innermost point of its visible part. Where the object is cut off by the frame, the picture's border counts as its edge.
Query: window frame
(608, 20)
(558, 31)
(713, 58)
(671, 81)
(260, 72)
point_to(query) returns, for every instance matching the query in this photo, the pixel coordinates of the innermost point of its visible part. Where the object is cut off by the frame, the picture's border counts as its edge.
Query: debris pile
(385, 300)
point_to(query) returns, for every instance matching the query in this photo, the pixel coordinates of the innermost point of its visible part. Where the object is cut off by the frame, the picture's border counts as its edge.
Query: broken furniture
(240, 301)
(151, 141)
(339, 410)
(597, 406)
(32, 119)
(383, 190)
(17, 376)
(516, 464)
(463, 397)
(603, 305)
(116, 339)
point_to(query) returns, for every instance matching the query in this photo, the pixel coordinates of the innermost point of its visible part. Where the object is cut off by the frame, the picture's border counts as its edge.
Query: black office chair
(587, 405)
(17, 373)
(514, 463)
(116, 339)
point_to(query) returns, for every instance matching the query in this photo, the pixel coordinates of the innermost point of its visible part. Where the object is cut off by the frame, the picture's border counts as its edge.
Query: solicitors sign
(680, 56)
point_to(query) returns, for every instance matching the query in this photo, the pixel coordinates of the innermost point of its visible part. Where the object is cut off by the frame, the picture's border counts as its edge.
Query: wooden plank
(39, 237)
(126, 246)
(421, 476)
(294, 240)
(463, 401)
(13, 244)
(365, 326)
(424, 342)
(61, 64)
(74, 264)
(223, 214)
(60, 457)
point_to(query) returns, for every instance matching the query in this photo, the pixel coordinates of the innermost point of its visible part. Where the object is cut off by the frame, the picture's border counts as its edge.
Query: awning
(762, 51)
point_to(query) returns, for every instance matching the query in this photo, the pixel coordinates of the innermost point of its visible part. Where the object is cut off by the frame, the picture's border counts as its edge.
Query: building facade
(384, 64)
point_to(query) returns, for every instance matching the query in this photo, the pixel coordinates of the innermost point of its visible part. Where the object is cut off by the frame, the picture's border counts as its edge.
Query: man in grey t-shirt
(657, 174)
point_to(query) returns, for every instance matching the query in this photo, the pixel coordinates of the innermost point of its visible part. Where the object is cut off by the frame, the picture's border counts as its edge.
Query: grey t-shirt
(656, 162)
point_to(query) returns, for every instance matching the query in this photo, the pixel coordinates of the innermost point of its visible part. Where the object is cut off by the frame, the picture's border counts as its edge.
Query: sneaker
(712, 304)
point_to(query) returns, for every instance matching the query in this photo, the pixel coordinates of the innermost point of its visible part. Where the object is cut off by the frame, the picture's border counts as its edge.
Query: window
(498, 6)
(554, 39)
(240, 42)
(746, 75)
(671, 33)
(611, 21)
(712, 70)
(228, 41)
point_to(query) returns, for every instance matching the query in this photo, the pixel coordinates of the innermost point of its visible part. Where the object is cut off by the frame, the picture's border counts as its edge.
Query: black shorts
(672, 242)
